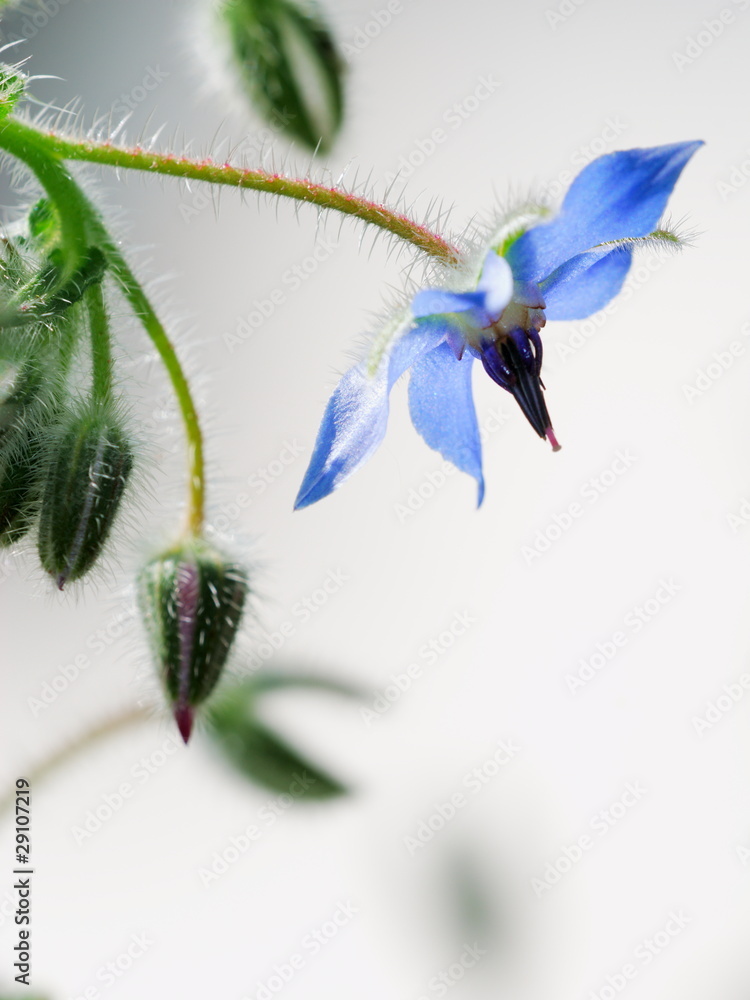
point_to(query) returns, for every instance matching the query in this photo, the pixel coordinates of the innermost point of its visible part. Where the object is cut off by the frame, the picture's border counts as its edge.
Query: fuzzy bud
(289, 63)
(19, 492)
(192, 600)
(88, 469)
(27, 404)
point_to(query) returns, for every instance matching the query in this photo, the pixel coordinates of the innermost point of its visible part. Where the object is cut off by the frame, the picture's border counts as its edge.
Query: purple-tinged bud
(88, 469)
(192, 599)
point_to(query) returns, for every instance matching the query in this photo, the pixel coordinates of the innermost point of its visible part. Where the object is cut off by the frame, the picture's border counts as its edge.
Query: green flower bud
(290, 65)
(192, 600)
(29, 399)
(88, 468)
(19, 493)
(20, 388)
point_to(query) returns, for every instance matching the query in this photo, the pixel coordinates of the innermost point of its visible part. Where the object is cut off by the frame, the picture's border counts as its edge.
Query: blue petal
(355, 419)
(442, 409)
(585, 284)
(619, 195)
(434, 301)
(497, 284)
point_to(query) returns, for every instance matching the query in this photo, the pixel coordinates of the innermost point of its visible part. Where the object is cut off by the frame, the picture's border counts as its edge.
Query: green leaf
(256, 751)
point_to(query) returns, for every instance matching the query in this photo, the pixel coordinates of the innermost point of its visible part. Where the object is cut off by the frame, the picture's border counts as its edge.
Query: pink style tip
(556, 446)
(184, 717)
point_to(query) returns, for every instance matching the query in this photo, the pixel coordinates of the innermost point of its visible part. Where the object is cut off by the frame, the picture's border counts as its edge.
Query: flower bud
(192, 600)
(88, 469)
(20, 387)
(28, 398)
(290, 65)
(19, 493)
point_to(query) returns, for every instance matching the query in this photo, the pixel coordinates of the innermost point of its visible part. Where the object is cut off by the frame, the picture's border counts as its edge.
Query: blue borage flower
(564, 269)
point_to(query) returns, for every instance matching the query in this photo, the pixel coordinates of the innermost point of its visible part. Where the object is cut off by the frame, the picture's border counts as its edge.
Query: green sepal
(47, 295)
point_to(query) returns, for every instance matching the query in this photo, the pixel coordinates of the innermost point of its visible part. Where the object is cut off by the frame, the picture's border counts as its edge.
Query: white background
(408, 575)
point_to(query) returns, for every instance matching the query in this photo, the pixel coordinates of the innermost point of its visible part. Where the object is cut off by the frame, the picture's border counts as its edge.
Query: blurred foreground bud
(192, 600)
(88, 468)
(290, 65)
(256, 751)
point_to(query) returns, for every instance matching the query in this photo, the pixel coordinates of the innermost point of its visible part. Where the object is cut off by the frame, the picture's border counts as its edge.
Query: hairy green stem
(32, 147)
(109, 727)
(299, 189)
(146, 313)
(81, 227)
(101, 346)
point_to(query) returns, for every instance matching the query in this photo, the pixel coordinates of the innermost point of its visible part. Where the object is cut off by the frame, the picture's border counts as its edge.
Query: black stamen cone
(527, 389)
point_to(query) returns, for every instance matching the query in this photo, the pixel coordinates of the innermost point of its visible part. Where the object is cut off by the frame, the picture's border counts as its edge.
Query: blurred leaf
(259, 753)
(267, 681)
(289, 64)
